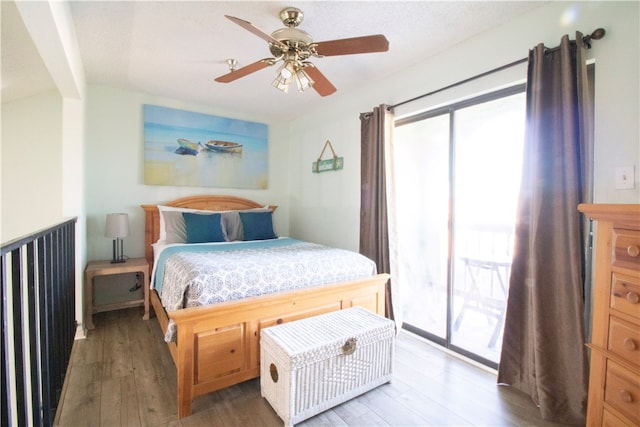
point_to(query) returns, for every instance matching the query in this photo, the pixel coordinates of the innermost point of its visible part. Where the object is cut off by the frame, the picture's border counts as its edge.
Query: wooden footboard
(219, 346)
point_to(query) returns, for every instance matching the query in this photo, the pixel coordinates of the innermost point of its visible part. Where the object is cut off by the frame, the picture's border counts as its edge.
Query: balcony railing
(38, 323)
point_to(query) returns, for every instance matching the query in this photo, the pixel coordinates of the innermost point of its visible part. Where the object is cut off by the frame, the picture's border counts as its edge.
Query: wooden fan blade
(246, 70)
(249, 27)
(365, 44)
(320, 83)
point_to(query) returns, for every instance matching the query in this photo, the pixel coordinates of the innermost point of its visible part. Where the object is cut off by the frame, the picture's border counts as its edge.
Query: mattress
(192, 275)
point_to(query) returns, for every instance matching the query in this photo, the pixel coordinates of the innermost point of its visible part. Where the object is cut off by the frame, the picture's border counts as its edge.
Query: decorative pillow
(172, 226)
(173, 230)
(202, 228)
(233, 225)
(257, 225)
(163, 211)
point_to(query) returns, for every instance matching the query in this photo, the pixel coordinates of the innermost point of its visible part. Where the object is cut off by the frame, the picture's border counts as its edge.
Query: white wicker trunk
(314, 364)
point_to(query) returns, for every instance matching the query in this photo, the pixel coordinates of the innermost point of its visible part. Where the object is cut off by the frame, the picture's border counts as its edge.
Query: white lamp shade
(117, 226)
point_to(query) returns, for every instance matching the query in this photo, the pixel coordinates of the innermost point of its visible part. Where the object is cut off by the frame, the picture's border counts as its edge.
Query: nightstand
(105, 268)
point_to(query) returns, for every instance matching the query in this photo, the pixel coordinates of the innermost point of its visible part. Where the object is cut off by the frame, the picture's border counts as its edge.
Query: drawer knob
(633, 250)
(629, 344)
(633, 297)
(625, 396)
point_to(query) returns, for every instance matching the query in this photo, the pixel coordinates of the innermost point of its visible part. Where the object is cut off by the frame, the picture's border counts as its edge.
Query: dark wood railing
(38, 323)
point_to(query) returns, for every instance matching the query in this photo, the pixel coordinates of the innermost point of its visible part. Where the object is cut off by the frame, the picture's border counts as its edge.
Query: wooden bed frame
(218, 346)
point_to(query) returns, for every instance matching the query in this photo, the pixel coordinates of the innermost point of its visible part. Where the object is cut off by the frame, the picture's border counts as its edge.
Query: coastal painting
(183, 148)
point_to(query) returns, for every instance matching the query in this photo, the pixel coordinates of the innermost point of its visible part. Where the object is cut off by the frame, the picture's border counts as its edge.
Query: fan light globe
(303, 80)
(288, 70)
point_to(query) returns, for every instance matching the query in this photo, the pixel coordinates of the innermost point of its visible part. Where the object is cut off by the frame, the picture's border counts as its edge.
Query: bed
(216, 346)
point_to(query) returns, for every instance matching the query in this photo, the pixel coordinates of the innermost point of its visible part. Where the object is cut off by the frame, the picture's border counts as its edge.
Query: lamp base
(118, 253)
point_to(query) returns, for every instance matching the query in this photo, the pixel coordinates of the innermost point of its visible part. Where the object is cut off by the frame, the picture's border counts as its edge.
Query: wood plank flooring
(123, 375)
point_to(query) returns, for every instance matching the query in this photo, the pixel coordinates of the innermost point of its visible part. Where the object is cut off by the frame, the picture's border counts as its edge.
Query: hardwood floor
(123, 375)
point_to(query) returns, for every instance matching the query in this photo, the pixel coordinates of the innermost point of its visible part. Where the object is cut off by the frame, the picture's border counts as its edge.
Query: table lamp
(117, 228)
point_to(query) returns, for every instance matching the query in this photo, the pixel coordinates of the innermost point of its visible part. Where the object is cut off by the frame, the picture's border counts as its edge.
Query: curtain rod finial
(598, 34)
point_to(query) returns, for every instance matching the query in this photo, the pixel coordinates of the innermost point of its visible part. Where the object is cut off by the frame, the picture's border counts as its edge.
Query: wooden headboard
(204, 202)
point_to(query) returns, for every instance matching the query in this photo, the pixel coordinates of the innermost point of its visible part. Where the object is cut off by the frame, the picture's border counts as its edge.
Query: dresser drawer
(624, 340)
(626, 248)
(625, 294)
(611, 420)
(622, 391)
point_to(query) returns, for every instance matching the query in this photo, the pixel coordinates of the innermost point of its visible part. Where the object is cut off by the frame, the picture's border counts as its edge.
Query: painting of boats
(223, 146)
(186, 148)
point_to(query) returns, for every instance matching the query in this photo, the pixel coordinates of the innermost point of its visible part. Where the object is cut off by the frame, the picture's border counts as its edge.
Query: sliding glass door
(488, 157)
(457, 174)
(422, 194)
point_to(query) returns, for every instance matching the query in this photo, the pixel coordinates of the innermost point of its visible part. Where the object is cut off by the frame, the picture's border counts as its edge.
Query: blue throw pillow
(257, 225)
(203, 228)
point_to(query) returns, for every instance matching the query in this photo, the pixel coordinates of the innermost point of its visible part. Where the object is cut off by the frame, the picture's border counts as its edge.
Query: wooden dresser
(614, 379)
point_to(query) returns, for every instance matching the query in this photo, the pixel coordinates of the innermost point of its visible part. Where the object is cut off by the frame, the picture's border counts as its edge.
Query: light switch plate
(625, 178)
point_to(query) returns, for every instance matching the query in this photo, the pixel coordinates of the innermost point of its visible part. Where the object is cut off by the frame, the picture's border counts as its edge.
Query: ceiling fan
(294, 47)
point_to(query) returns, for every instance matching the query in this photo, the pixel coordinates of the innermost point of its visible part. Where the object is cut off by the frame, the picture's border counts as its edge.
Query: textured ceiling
(23, 72)
(176, 49)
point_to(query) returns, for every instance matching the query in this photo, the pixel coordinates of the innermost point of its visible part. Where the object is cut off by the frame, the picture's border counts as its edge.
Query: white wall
(115, 167)
(325, 207)
(32, 197)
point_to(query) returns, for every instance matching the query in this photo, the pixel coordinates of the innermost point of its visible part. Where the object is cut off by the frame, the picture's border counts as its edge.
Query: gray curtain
(543, 350)
(375, 131)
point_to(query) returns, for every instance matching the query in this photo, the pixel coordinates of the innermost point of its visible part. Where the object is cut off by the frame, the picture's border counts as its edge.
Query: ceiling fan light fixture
(292, 70)
(287, 70)
(303, 80)
(281, 82)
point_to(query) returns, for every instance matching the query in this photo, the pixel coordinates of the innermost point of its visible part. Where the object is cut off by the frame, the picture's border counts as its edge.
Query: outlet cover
(625, 178)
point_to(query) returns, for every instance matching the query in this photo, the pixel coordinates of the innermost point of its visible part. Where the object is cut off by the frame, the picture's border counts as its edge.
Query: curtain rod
(595, 35)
